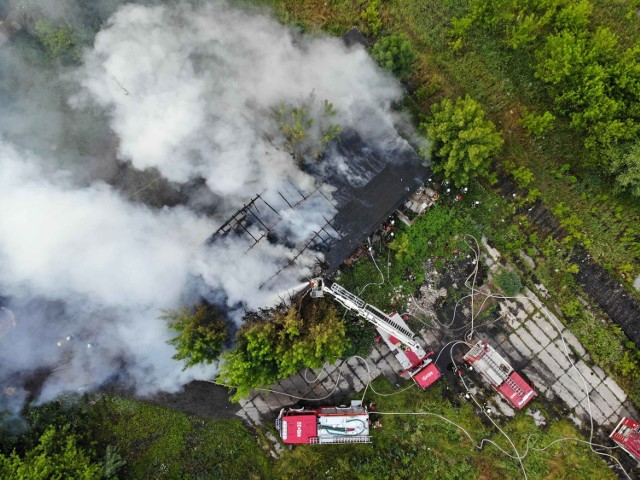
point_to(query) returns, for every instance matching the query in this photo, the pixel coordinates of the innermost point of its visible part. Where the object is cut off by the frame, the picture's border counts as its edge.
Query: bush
(523, 176)
(395, 53)
(537, 125)
(624, 163)
(463, 140)
(60, 42)
(201, 334)
(371, 15)
(509, 282)
(273, 345)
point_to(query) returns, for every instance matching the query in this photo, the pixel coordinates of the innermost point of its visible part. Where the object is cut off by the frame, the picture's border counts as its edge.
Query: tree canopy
(201, 334)
(56, 456)
(395, 53)
(463, 140)
(61, 42)
(273, 345)
(307, 128)
(591, 73)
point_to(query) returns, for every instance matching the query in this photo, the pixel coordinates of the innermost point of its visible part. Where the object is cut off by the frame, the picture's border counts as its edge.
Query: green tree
(308, 128)
(273, 345)
(62, 43)
(625, 165)
(537, 125)
(56, 456)
(201, 334)
(463, 140)
(395, 53)
(371, 15)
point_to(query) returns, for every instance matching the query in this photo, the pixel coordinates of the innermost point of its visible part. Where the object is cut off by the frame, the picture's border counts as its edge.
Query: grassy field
(160, 443)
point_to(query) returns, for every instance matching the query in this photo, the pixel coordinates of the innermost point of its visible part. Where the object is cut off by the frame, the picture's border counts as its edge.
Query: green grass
(398, 269)
(426, 447)
(159, 443)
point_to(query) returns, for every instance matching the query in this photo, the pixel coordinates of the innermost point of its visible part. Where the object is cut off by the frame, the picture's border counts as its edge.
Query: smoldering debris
(186, 92)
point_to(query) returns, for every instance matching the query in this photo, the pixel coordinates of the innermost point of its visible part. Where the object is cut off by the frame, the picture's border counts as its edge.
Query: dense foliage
(162, 443)
(509, 282)
(307, 128)
(395, 53)
(592, 77)
(57, 455)
(274, 344)
(53, 441)
(201, 334)
(62, 42)
(464, 142)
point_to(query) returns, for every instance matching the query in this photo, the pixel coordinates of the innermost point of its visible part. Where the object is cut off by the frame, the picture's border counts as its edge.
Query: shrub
(523, 176)
(509, 282)
(371, 15)
(463, 140)
(537, 125)
(395, 53)
(201, 334)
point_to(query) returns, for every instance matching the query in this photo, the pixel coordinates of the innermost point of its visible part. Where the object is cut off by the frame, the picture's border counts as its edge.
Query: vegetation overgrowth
(274, 344)
(464, 142)
(201, 334)
(155, 442)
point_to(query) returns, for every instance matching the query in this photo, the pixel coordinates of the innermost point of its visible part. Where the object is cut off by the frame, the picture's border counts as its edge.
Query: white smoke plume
(187, 90)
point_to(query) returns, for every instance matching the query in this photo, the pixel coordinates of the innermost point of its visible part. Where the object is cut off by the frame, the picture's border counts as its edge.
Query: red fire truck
(393, 330)
(500, 375)
(627, 435)
(324, 425)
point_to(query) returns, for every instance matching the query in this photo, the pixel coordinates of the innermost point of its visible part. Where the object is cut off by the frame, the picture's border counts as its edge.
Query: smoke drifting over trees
(187, 91)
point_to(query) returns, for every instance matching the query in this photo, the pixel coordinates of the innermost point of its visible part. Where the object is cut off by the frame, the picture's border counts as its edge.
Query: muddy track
(596, 281)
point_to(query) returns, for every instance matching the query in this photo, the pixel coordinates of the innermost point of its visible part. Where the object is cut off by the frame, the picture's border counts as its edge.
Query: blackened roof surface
(376, 183)
(354, 37)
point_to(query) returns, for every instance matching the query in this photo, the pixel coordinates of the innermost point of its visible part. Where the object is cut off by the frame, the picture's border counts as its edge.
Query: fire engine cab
(500, 375)
(324, 425)
(627, 435)
(393, 330)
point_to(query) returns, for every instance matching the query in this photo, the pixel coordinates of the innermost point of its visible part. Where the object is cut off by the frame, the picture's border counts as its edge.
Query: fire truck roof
(517, 391)
(299, 428)
(627, 435)
(427, 376)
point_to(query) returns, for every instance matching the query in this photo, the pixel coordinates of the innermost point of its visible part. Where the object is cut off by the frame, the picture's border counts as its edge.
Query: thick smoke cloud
(186, 91)
(113, 264)
(191, 91)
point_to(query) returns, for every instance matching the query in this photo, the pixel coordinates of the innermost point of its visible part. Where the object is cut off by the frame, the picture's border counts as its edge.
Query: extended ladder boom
(370, 313)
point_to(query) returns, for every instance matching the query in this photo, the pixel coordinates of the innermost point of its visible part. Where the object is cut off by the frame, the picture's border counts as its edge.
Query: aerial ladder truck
(393, 330)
